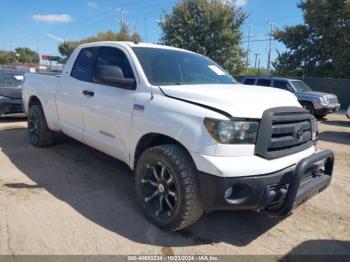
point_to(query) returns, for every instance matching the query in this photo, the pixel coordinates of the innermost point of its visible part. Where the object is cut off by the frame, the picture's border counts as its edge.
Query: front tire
(320, 116)
(38, 132)
(167, 187)
(309, 107)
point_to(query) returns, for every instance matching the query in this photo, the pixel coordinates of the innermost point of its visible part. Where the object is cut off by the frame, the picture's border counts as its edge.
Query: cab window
(84, 64)
(281, 85)
(264, 82)
(249, 81)
(111, 56)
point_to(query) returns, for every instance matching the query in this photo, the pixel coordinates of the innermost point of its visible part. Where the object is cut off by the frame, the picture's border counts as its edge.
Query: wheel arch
(302, 101)
(34, 100)
(49, 112)
(154, 139)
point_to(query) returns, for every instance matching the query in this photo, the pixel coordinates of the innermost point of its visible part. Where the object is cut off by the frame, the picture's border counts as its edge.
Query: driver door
(107, 109)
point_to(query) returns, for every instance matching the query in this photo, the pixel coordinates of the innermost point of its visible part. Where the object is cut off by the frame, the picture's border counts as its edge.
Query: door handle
(88, 93)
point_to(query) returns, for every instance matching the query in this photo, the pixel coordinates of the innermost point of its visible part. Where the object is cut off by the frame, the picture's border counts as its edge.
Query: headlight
(232, 131)
(324, 100)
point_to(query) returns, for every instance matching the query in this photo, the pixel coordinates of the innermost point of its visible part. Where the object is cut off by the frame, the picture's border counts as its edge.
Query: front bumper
(275, 193)
(325, 109)
(11, 106)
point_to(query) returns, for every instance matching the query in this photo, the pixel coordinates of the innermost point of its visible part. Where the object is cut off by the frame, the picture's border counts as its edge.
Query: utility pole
(122, 11)
(146, 31)
(270, 50)
(256, 57)
(248, 45)
(37, 43)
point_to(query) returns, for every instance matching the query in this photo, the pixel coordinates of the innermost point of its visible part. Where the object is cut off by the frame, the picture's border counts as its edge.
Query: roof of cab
(269, 77)
(133, 44)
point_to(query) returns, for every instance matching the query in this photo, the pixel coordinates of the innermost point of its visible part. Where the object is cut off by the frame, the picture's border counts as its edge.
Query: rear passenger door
(107, 111)
(69, 98)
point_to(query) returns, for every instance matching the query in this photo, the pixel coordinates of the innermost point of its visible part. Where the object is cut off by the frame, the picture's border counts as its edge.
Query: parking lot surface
(72, 199)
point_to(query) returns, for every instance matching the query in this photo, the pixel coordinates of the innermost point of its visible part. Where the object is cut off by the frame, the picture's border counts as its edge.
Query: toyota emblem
(298, 133)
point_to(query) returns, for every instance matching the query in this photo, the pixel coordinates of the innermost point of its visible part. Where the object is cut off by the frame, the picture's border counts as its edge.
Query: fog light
(237, 194)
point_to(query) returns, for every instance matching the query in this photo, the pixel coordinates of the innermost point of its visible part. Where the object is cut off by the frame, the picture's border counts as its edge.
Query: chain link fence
(33, 68)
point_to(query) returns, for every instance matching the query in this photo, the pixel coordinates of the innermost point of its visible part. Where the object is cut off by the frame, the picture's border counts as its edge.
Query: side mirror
(113, 75)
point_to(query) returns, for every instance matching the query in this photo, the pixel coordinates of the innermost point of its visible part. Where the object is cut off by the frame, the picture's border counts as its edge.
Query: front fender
(176, 119)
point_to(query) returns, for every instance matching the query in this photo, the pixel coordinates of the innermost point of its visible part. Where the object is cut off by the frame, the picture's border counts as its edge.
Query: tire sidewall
(33, 112)
(154, 156)
(45, 137)
(309, 107)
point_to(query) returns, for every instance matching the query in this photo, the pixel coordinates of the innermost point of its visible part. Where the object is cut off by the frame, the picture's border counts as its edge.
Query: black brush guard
(297, 193)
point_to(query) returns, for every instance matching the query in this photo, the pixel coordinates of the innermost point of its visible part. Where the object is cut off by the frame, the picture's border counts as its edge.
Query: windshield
(173, 67)
(300, 86)
(10, 79)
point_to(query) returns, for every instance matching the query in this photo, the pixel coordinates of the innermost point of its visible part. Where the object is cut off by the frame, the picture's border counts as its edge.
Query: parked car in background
(348, 112)
(11, 92)
(317, 103)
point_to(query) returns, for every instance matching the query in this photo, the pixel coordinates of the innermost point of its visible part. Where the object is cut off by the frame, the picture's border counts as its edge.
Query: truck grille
(283, 131)
(333, 100)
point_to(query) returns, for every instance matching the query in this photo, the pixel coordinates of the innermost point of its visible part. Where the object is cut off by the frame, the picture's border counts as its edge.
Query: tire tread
(192, 209)
(46, 137)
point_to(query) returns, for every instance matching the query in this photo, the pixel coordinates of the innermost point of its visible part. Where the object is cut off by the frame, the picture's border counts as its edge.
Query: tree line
(319, 47)
(21, 55)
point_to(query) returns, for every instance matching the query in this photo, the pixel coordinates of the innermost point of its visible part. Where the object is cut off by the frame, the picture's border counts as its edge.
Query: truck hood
(236, 99)
(11, 92)
(315, 94)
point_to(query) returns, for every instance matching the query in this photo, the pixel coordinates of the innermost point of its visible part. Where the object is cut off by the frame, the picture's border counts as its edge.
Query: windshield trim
(306, 88)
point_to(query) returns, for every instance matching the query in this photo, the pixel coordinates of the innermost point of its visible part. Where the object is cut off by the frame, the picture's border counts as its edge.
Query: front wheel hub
(161, 188)
(160, 192)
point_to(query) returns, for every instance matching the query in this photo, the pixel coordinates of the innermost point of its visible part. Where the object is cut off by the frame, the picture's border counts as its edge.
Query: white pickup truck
(197, 140)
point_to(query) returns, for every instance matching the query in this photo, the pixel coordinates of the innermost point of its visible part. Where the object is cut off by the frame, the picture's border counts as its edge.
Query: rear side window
(114, 56)
(264, 82)
(249, 81)
(84, 64)
(281, 84)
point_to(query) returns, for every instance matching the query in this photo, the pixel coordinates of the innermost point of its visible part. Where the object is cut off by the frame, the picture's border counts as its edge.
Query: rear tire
(167, 187)
(38, 132)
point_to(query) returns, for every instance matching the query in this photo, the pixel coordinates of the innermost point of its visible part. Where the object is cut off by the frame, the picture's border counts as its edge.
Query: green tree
(22, 55)
(251, 71)
(208, 27)
(7, 57)
(320, 46)
(26, 55)
(66, 48)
